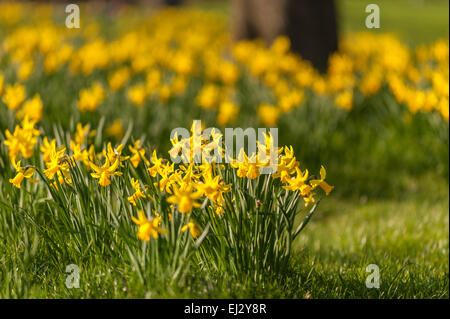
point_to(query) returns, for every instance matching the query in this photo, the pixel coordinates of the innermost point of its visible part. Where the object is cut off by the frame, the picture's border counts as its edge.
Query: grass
(408, 238)
(414, 21)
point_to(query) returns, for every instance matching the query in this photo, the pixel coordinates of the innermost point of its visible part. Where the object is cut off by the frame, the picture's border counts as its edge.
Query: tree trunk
(310, 25)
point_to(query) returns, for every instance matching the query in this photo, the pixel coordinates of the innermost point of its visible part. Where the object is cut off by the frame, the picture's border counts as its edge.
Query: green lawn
(407, 238)
(414, 21)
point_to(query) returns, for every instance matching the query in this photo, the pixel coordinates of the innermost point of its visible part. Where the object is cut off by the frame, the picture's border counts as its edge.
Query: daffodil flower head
(194, 229)
(321, 182)
(148, 228)
(185, 197)
(104, 173)
(26, 172)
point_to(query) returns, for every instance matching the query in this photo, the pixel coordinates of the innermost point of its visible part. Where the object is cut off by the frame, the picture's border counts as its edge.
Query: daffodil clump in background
(161, 70)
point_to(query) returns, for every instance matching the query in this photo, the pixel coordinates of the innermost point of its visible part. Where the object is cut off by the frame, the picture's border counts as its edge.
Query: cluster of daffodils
(186, 53)
(365, 63)
(173, 61)
(186, 186)
(91, 97)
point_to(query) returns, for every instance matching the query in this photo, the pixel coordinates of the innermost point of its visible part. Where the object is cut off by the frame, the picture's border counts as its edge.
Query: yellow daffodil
(157, 165)
(321, 182)
(138, 154)
(25, 70)
(227, 113)
(32, 108)
(168, 177)
(117, 79)
(104, 173)
(345, 100)
(298, 183)
(138, 192)
(79, 153)
(113, 153)
(208, 96)
(148, 228)
(286, 166)
(185, 197)
(90, 98)
(14, 96)
(137, 94)
(82, 133)
(213, 188)
(194, 229)
(115, 130)
(58, 164)
(269, 114)
(22, 140)
(26, 172)
(246, 167)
